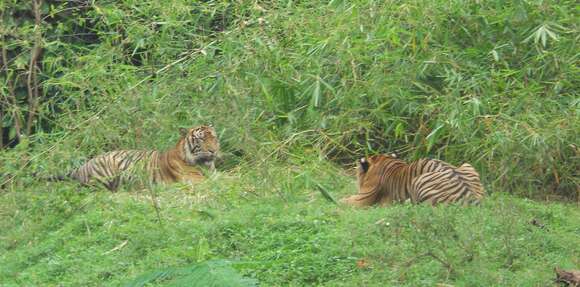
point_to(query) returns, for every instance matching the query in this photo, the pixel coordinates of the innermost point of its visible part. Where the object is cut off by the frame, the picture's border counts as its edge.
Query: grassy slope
(281, 231)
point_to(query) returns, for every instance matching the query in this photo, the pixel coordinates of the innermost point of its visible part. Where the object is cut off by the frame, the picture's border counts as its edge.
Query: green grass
(276, 227)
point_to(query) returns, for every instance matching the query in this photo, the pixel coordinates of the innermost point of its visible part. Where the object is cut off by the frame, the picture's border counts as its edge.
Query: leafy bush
(491, 83)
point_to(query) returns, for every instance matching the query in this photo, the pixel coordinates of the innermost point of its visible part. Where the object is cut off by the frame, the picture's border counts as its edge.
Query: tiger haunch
(197, 146)
(385, 179)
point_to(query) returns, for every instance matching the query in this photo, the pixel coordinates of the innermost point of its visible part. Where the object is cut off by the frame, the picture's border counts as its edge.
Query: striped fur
(385, 179)
(197, 146)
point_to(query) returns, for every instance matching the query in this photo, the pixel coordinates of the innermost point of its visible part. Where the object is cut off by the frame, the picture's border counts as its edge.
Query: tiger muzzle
(204, 157)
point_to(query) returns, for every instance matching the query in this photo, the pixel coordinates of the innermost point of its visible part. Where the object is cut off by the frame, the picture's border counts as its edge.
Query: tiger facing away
(196, 147)
(384, 179)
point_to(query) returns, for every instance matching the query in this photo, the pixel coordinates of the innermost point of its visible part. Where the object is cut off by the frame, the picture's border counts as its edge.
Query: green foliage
(490, 83)
(297, 91)
(214, 273)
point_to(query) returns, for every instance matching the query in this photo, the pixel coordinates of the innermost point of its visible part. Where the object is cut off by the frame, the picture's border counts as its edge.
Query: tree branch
(9, 85)
(32, 80)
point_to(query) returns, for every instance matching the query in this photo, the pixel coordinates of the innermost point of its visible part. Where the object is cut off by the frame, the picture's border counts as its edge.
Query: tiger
(197, 146)
(385, 179)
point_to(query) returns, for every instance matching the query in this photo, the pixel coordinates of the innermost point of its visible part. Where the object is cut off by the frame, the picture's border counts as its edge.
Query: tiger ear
(363, 164)
(394, 155)
(183, 132)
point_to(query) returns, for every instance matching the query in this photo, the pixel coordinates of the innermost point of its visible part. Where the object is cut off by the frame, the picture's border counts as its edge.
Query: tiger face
(200, 145)
(370, 171)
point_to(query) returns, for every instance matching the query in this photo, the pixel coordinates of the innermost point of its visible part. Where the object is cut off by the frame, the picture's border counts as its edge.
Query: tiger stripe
(385, 179)
(196, 147)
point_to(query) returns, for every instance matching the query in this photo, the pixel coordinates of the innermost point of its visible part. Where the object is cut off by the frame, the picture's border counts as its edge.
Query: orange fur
(384, 179)
(197, 146)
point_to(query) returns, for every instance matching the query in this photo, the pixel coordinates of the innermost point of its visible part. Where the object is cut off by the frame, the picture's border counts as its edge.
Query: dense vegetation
(297, 90)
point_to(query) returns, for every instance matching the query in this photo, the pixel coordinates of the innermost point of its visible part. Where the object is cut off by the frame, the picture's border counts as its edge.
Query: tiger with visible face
(384, 179)
(196, 147)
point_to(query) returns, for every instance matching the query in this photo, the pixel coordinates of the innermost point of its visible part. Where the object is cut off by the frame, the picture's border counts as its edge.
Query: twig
(411, 261)
(430, 254)
(155, 205)
(325, 193)
(202, 51)
(444, 263)
(117, 247)
(286, 142)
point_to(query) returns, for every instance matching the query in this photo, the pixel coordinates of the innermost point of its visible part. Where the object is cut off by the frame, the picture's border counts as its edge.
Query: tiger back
(449, 185)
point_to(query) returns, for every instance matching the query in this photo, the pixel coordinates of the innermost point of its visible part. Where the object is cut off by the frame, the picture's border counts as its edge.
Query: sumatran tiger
(196, 147)
(384, 179)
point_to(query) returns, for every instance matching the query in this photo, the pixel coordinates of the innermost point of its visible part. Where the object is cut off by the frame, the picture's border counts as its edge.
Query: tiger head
(200, 145)
(370, 171)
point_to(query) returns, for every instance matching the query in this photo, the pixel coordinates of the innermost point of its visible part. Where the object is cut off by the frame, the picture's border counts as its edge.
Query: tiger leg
(113, 183)
(362, 199)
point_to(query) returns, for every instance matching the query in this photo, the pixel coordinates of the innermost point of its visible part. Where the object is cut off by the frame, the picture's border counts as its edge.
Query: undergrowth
(485, 82)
